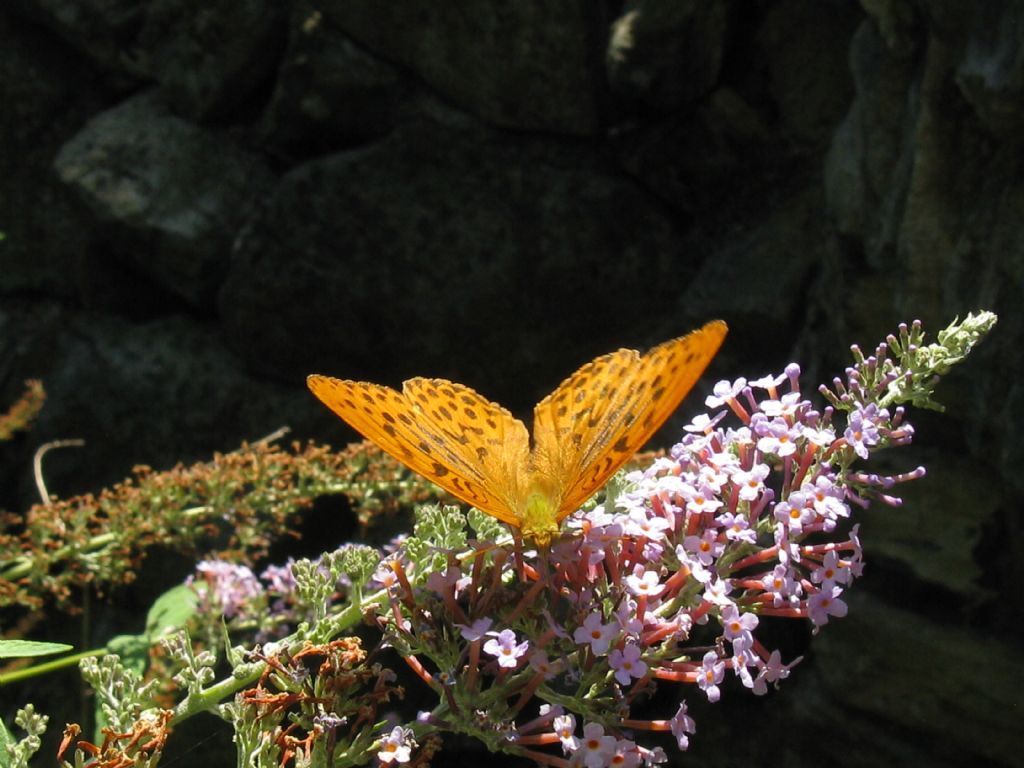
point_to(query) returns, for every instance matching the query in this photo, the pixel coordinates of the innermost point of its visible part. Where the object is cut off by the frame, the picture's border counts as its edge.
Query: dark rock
(806, 47)
(694, 160)
(527, 65)
(933, 538)
(898, 23)
(169, 194)
(864, 188)
(210, 57)
(991, 72)
(48, 90)
(912, 678)
(666, 54)
(772, 256)
(329, 92)
(103, 30)
(152, 393)
(207, 58)
(453, 254)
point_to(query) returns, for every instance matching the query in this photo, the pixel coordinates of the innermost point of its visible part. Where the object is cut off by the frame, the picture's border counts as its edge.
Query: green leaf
(5, 740)
(171, 610)
(133, 650)
(16, 649)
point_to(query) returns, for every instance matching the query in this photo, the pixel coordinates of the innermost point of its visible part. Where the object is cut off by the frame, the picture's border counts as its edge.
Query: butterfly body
(582, 432)
(539, 516)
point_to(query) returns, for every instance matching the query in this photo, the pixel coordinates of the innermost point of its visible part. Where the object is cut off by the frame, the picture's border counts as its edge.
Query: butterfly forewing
(473, 431)
(398, 426)
(601, 415)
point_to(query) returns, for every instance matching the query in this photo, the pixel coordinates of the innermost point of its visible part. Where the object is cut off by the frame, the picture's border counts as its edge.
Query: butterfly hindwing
(601, 415)
(396, 424)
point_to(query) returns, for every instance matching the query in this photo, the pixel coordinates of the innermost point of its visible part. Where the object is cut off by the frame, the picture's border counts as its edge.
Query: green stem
(208, 698)
(23, 566)
(49, 666)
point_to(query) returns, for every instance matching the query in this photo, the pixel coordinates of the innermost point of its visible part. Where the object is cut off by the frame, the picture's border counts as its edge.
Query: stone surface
(525, 64)
(991, 72)
(103, 30)
(209, 57)
(168, 193)
(885, 663)
(153, 393)
(666, 54)
(329, 92)
(48, 90)
(505, 245)
(808, 76)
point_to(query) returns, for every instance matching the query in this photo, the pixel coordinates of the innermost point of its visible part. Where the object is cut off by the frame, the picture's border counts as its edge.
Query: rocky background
(204, 202)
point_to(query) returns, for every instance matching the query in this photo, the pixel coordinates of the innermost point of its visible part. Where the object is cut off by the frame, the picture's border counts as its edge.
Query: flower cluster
(231, 508)
(548, 653)
(747, 519)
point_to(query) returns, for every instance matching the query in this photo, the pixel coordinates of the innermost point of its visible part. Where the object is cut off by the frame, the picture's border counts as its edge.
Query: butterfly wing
(444, 431)
(602, 414)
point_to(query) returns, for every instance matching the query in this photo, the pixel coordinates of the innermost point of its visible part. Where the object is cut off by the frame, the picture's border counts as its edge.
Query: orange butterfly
(582, 432)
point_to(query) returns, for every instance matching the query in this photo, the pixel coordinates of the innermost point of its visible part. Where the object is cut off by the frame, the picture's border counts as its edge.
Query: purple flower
(862, 428)
(818, 437)
(772, 671)
(710, 674)
(280, 578)
(229, 586)
(795, 512)
(788, 405)
(832, 570)
(750, 482)
(653, 757)
(698, 570)
(641, 523)
(783, 587)
(724, 391)
(827, 498)
(682, 725)
(737, 528)
(596, 633)
(565, 727)
(596, 748)
(476, 630)
(626, 615)
(777, 437)
(450, 581)
(717, 591)
(643, 582)
(539, 662)
(627, 663)
(700, 500)
(385, 575)
(626, 754)
(824, 604)
(504, 646)
(739, 627)
(705, 547)
(703, 424)
(769, 382)
(396, 747)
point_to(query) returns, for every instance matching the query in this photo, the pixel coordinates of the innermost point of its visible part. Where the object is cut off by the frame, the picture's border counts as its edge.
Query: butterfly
(582, 432)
